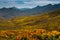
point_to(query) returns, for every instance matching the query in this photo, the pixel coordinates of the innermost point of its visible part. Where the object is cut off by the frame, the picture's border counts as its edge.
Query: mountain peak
(38, 6)
(4, 8)
(49, 5)
(13, 8)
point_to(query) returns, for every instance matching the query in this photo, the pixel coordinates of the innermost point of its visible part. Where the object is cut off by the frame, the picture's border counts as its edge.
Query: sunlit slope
(48, 21)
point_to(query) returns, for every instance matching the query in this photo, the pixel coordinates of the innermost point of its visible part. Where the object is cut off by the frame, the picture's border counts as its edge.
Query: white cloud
(26, 3)
(41, 3)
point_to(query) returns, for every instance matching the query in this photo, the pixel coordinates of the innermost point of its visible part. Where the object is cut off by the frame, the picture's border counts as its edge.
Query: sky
(26, 3)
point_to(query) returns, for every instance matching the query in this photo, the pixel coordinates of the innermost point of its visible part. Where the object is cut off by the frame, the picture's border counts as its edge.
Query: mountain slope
(48, 21)
(12, 12)
(43, 9)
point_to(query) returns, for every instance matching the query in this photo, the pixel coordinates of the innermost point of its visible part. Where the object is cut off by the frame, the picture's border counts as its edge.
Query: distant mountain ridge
(11, 12)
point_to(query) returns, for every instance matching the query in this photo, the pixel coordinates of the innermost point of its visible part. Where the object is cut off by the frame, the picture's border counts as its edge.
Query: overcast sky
(26, 3)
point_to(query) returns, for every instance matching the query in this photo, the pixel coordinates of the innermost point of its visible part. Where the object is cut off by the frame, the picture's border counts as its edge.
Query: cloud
(41, 3)
(26, 3)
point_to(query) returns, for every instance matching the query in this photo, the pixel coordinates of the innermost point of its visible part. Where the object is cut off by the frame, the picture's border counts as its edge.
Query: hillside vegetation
(48, 21)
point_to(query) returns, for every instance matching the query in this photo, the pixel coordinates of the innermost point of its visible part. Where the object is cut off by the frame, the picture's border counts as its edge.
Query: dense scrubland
(48, 21)
(34, 27)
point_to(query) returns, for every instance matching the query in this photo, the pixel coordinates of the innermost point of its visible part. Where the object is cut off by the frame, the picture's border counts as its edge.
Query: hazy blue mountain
(9, 12)
(46, 8)
(24, 9)
(13, 11)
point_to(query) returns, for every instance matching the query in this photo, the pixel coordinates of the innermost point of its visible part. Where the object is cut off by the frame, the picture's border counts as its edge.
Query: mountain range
(13, 11)
(49, 21)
